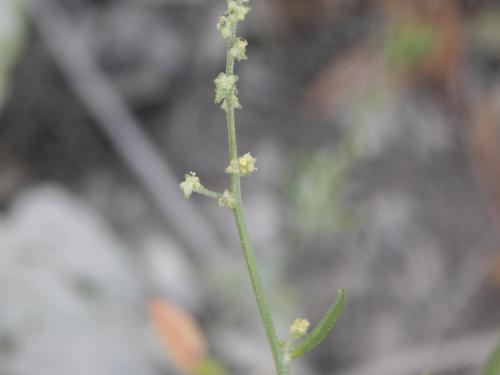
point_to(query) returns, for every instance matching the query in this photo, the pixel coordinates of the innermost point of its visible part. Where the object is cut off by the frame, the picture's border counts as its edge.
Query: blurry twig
(471, 351)
(119, 125)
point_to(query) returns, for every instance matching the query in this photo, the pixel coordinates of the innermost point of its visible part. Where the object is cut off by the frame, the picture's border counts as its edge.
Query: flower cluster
(236, 11)
(224, 26)
(190, 184)
(238, 49)
(226, 200)
(244, 166)
(299, 328)
(225, 87)
(226, 94)
(225, 83)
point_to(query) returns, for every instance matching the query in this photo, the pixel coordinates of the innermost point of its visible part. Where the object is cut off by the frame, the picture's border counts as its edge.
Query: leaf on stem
(323, 328)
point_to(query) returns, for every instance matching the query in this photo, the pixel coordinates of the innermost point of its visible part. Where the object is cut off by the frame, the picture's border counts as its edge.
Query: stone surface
(71, 302)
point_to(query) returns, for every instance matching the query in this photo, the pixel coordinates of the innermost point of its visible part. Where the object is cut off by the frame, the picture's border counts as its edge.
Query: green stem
(258, 289)
(208, 193)
(257, 286)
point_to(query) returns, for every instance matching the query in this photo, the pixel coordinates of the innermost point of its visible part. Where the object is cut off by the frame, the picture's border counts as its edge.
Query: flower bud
(299, 328)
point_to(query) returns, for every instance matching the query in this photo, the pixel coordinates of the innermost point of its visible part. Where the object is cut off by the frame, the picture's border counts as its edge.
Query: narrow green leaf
(493, 365)
(323, 328)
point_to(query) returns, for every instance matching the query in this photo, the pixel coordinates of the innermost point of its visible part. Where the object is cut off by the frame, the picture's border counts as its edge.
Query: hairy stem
(208, 193)
(257, 286)
(226, 96)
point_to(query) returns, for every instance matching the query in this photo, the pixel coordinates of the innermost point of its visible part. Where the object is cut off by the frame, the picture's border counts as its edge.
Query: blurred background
(376, 124)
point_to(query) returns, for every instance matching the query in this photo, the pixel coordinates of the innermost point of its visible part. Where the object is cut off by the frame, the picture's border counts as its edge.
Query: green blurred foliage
(316, 188)
(210, 366)
(409, 46)
(12, 36)
(493, 365)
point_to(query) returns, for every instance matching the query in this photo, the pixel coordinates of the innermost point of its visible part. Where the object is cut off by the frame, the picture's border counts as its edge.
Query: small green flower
(299, 328)
(238, 9)
(245, 165)
(225, 88)
(227, 200)
(233, 168)
(238, 49)
(236, 103)
(224, 83)
(190, 184)
(224, 26)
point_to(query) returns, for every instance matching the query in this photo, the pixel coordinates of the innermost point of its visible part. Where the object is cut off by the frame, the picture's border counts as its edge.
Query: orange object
(180, 335)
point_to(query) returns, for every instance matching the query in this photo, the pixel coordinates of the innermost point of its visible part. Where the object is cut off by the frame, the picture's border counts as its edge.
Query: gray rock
(70, 300)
